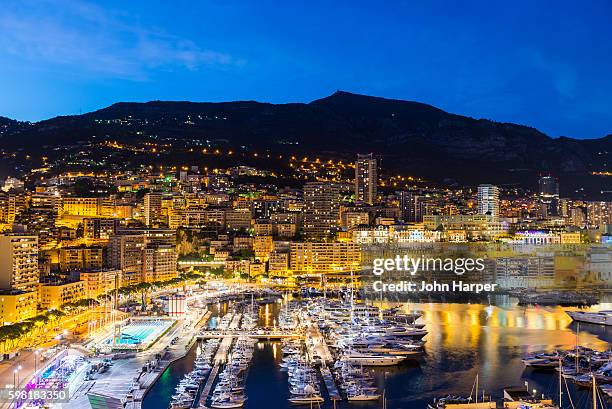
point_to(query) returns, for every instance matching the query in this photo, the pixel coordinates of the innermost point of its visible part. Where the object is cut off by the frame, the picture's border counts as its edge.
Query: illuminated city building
(322, 202)
(411, 207)
(262, 246)
(53, 295)
(159, 263)
(80, 258)
(80, 206)
(599, 213)
(488, 200)
(19, 262)
(100, 228)
(316, 258)
(366, 179)
(99, 282)
(17, 305)
(350, 219)
(125, 252)
(152, 208)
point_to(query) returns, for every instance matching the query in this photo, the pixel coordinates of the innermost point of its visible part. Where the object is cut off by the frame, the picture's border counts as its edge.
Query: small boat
(306, 400)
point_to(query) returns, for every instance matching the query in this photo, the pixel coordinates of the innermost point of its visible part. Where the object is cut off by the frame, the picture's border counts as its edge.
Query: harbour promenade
(129, 379)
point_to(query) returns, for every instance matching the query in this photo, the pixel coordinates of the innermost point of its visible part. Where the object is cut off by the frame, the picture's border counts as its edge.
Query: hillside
(409, 136)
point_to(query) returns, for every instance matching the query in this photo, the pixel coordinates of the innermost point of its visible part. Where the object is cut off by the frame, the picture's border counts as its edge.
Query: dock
(316, 344)
(220, 358)
(330, 384)
(258, 334)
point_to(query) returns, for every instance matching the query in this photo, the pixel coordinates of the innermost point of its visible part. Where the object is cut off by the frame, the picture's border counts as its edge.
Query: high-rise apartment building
(411, 207)
(488, 200)
(125, 252)
(599, 213)
(160, 263)
(322, 205)
(19, 262)
(152, 208)
(548, 186)
(366, 179)
(549, 195)
(11, 205)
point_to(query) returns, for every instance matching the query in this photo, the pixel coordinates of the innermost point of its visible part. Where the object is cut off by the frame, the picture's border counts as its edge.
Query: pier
(316, 344)
(258, 334)
(330, 384)
(220, 357)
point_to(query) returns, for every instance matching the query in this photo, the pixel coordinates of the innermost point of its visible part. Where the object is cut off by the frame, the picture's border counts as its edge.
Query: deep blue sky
(539, 63)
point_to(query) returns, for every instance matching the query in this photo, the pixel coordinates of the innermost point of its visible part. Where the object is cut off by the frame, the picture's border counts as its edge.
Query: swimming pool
(137, 333)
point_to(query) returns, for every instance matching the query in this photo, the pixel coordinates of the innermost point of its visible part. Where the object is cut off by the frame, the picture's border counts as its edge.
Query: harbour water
(463, 340)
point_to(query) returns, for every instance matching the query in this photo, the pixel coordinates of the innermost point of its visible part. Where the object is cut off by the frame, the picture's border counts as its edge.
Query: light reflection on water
(463, 340)
(466, 339)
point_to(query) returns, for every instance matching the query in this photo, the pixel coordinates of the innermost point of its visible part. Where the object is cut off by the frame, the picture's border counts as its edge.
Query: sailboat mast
(577, 350)
(560, 383)
(352, 297)
(594, 392)
(476, 388)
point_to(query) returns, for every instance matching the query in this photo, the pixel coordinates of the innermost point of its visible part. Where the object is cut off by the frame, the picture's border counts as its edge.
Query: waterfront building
(99, 282)
(262, 246)
(159, 263)
(125, 252)
(311, 257)
(525, 272)
(54, 294)
(278, 263)
(17, 305)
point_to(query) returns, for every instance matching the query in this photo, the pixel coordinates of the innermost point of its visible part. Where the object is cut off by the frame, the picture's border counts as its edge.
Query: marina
(329, 353)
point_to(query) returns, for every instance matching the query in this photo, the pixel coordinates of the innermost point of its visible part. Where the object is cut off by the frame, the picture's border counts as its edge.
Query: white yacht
(357, 358)
(600, 318)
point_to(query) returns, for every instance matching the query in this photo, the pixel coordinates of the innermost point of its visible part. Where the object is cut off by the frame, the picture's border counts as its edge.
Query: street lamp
(36, 359)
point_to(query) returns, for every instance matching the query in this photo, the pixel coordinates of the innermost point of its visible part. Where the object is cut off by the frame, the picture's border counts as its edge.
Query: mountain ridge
(409, 135)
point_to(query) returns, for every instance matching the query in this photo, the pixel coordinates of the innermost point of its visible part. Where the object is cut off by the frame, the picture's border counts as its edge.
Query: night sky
(539, 63)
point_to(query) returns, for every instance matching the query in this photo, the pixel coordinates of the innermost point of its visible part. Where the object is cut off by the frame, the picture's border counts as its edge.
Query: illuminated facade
(80, 258)
(19, 262)
(366, 179)
(54, 295)
(17, 305)
(323, 257)
(488, 200)
(80, 206)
